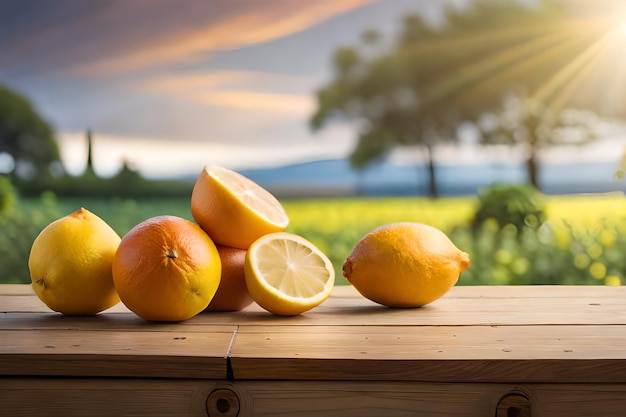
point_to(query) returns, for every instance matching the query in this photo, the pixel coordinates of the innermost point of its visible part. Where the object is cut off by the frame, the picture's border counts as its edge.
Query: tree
(430, 78)
(535, 126)
(26, 137)
(376, 92)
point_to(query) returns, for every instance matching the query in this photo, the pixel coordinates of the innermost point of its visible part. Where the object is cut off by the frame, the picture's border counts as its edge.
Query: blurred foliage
(517, 205)
(581, 241)
(556, 253)
(19, 228)
(26, 137)
(126, 184)
(8, 195)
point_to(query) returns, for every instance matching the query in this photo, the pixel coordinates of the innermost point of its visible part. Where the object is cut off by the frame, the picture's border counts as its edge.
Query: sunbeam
(576, 60)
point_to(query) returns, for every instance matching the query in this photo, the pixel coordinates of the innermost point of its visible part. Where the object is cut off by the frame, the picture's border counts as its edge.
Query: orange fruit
(70, 264)
(288, 275)
(234, 210)
(232, 293)
(166, 269)
(405, 265)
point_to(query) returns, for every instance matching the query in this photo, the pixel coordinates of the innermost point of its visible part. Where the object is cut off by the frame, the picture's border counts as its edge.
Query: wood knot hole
(222, 402)
(514, 405)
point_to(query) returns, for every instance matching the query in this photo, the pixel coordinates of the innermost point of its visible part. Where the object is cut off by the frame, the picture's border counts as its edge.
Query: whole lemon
(405, 265)
(166, 269)
(70, 264)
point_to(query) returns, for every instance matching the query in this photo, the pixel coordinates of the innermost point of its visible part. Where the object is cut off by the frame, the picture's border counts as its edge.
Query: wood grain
(75, 352)
(563, 348)
(78, 397)
(431, 342)
(505, 330)
(81, 397)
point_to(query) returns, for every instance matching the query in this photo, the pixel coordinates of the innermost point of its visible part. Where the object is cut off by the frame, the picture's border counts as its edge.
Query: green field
(582, 241)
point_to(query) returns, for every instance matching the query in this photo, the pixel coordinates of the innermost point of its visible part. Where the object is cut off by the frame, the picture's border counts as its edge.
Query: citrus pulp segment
(233, 209)
(288, 275)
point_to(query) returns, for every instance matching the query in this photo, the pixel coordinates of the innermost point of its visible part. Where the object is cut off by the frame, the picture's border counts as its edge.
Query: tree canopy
(25, 136)
(416, 88)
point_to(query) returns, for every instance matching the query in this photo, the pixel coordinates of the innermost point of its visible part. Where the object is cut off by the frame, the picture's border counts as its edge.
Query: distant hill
(335, 177)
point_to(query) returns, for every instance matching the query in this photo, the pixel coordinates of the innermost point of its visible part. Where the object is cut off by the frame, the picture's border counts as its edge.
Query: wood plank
(395, 399)
(445, 311)
(16, 289)
(432, 353)
(358, 311)
(120, 353)
(80, 397)
(432, 342)
(461, 306)
(390, 399)
(579, 400)
(105, 322)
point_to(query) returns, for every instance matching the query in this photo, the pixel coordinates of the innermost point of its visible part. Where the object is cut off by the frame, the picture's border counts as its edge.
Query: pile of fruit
(237, 252)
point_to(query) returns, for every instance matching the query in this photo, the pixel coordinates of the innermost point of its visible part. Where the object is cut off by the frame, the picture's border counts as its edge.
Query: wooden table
(478, 351)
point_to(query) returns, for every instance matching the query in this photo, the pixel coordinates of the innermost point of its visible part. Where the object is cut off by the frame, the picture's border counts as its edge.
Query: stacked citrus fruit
(284, 273)
(170, 269)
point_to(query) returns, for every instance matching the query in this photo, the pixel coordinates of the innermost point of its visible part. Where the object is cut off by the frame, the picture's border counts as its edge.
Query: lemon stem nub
(41, 281)
(171, 253)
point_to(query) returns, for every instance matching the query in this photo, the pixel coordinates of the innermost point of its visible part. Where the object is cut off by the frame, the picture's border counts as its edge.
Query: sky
(170, 86)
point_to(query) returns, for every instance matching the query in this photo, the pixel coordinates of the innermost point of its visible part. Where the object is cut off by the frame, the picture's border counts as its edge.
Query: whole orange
(166, 269)
(232, 294)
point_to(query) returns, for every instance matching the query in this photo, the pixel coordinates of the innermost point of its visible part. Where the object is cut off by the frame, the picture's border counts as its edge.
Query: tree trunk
(432, 181)
(533, 169)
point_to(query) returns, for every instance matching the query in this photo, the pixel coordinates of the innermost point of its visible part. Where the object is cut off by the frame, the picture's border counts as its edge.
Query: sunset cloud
(214, 80)
(266, 102)
(249, 27)
(288, 95)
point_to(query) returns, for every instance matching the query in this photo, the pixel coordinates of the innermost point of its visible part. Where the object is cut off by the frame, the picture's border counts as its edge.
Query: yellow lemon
(287, 275)
(405, 265)
(233, 209)
(166, 269)
(70, 264)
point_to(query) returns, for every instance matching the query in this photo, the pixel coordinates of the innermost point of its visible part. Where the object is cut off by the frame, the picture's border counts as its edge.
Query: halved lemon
(288, 275)
(234, 210)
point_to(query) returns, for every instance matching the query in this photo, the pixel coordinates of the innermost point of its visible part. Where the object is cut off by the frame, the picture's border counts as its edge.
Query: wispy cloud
(284, 104)
(224, 79)
(288, 95)
(261, 22)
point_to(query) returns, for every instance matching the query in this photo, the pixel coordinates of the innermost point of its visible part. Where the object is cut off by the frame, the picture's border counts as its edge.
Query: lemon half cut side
(256, 198)
(288, 275)
(233, 209)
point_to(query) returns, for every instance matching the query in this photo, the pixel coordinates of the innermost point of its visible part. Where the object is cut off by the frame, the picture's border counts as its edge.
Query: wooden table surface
(473, 335)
